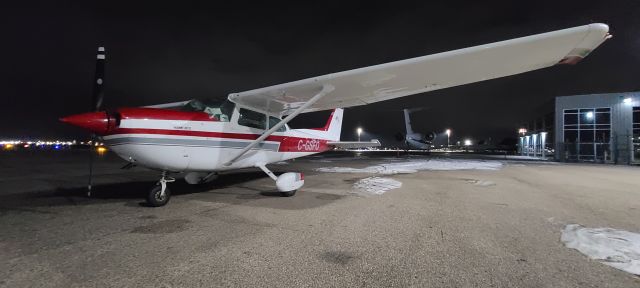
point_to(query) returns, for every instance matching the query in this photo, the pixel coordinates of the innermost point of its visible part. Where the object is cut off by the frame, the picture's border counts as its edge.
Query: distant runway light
(101, 150)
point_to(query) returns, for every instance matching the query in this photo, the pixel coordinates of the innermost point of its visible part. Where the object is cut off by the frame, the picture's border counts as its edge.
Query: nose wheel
(160, 194)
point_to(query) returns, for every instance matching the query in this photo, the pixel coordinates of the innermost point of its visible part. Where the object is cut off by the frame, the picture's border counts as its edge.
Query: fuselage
(417, 141)
(179, 141)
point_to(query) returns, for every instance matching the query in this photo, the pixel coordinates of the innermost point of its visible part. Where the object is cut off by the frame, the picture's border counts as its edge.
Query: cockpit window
(273, 121)
(252, 119)
(217, 110)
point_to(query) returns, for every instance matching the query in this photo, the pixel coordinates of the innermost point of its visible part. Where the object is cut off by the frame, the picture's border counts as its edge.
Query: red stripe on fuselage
(287, 143)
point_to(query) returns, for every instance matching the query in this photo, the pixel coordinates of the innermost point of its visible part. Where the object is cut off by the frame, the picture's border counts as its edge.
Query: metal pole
(543, 144)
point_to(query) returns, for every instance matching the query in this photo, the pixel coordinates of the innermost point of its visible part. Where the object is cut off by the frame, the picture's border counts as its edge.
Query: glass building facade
(636, 134)
(587, 133)
(602, 128)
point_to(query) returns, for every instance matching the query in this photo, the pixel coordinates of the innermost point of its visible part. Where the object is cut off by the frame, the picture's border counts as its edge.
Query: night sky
(158, 53)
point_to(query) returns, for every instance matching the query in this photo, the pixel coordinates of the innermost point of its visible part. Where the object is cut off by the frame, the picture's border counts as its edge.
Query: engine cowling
(430, 137)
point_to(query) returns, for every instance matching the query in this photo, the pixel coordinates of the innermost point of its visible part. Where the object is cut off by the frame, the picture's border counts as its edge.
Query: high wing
(427, 73)
(354, 144)
(169, 105)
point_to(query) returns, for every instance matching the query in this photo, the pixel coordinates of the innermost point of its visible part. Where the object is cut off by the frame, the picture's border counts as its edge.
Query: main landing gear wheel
(288, 193)
(160, 194)
(287, 183)
(156, 198)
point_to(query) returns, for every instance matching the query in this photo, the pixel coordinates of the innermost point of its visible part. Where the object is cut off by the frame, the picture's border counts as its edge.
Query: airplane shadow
(133, 193)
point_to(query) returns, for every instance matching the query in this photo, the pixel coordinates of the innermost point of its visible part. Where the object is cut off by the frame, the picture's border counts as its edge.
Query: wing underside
(427, 73)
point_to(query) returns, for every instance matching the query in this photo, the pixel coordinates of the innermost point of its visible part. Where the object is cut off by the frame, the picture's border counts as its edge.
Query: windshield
(220, 110)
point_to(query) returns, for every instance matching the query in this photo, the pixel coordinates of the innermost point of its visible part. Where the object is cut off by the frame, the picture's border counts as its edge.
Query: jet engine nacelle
(199, 177)
(289, 181)
(430, 136)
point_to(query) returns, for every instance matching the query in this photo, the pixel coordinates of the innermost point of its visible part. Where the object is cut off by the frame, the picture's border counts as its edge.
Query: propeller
(96, 106)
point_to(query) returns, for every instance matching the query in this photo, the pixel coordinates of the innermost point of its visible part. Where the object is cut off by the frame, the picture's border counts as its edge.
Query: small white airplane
(416, 140)
(249, 129)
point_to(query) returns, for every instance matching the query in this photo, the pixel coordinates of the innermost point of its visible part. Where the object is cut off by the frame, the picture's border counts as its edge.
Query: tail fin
(407, 121)
(333, 127)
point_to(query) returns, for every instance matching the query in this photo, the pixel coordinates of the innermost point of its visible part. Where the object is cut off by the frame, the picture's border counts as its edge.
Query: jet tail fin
(407, 121)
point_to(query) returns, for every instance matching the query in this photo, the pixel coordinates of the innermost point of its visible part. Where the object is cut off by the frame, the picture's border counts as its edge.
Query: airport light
(359, 130)
(448, 131)
(101, 150)
(522, 131)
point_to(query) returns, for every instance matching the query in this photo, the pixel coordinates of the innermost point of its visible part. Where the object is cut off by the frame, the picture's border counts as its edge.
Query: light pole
(359, 130)
(448, 134)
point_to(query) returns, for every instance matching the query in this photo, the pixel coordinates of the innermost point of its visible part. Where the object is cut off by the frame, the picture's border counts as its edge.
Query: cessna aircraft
(249, 129)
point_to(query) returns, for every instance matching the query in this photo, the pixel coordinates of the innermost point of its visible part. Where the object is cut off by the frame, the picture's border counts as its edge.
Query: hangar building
(601, 128)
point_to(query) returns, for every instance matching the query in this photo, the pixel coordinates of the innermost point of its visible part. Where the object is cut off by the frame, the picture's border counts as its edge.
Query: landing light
(467, 142)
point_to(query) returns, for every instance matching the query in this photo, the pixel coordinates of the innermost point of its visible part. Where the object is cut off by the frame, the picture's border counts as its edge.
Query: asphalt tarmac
(460, 228)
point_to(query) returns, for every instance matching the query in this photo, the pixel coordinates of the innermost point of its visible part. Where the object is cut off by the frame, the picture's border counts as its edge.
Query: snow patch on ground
(481, 182)
(515, 157)
(617, 248)
(413, 166)
(375, 185)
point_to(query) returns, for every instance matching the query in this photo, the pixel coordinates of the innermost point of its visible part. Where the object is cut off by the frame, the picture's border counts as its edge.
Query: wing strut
(326, 89)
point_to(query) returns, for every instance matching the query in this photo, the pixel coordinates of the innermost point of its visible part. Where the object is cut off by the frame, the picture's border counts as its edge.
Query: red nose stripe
(96, 122)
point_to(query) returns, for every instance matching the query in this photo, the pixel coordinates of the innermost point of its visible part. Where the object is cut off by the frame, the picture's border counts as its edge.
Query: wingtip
(600, 27)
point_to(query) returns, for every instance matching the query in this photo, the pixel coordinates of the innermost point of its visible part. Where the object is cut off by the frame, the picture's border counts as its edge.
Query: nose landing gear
(160, 194)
